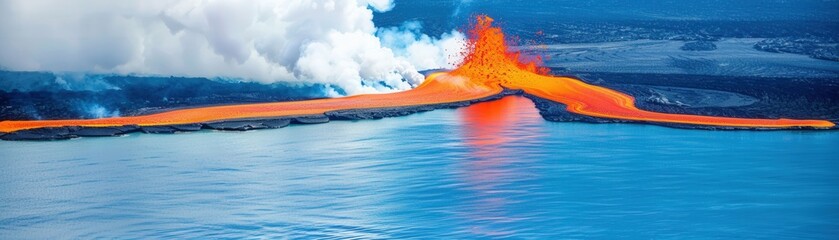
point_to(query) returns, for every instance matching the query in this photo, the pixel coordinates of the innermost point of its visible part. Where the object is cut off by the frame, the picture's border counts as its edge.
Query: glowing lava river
(489, 68)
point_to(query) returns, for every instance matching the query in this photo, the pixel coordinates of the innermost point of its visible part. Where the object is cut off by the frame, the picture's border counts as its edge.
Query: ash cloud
(332, 43)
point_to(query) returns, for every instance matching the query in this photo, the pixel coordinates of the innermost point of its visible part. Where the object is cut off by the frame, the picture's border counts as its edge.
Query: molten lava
(491, 62)
(440, 88)
(488, 66)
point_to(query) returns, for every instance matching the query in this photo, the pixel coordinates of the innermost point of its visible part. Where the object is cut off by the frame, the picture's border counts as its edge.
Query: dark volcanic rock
(554, 111)
(378, 113)
(699, 46)
(187, 127)
(129, 128)
(659, 98)
(276, 123)
(243, 125)
(104, 131)
(830, 54)
(453, 105)
(158, 129)
(818, 48)
(42, 134)
(314, 119)
(168, 129)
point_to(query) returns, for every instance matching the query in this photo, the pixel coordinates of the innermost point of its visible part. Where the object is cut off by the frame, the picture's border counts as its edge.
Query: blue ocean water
(492, 170)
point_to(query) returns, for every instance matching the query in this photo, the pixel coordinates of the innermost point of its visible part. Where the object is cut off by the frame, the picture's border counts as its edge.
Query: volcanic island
(490, 70)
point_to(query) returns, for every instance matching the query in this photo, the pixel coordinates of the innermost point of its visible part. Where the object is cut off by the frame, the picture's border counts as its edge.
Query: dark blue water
(493, 170)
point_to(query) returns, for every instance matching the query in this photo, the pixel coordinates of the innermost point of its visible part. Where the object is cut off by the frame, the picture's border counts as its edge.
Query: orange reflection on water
(490, 131)
(488, 123)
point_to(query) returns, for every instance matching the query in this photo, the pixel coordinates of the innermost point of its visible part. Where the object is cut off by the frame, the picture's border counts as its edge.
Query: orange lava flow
(491, 62)
(438, 88)
(488, 65)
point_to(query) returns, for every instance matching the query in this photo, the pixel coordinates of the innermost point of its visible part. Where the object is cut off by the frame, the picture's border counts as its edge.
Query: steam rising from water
(330, 42)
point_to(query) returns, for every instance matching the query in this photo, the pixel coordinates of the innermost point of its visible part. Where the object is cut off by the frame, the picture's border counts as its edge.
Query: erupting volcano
(489, 67)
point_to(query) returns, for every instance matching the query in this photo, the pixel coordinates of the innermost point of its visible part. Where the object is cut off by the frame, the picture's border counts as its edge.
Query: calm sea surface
(493, 170)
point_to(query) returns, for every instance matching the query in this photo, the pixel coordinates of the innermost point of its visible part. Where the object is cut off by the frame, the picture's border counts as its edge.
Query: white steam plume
(331, 42)
(422, 51)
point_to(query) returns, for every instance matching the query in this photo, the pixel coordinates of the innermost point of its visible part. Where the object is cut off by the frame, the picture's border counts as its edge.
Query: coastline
(549, 110)
(241, 124)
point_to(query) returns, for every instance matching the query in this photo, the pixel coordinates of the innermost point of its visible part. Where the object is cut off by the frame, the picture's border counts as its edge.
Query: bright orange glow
(487, 125)
(487, 129)
(438, 88)
(488, 65)
(491, 62)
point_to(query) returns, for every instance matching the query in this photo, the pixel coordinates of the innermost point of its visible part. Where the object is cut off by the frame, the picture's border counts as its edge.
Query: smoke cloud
(330, 42)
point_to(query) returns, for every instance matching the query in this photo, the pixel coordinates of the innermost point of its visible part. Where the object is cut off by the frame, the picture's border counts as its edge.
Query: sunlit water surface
(493, 170)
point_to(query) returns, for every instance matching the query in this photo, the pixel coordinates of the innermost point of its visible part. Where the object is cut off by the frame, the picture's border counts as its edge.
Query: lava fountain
(489, 66)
